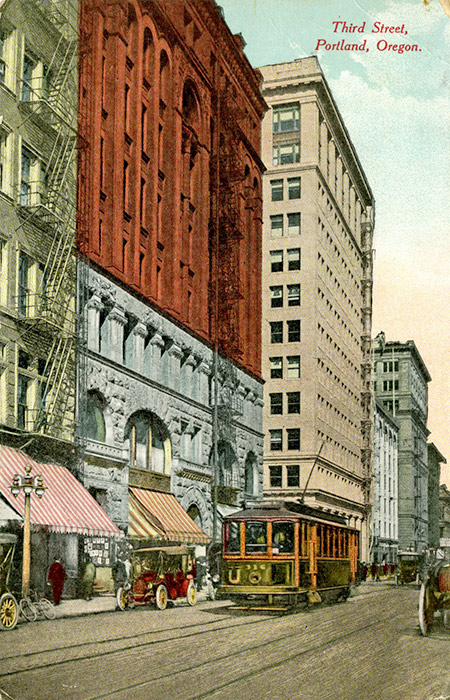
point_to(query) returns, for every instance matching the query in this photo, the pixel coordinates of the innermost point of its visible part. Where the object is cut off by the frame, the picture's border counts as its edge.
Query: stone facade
(385, 491)
(401, 386)
(159, 370)
(435, 459)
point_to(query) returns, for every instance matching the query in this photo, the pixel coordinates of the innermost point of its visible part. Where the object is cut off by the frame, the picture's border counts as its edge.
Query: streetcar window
(234, 539)
(283, 538)
(255, 537)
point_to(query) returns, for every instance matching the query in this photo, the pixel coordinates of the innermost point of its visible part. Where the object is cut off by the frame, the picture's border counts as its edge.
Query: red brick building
(170, 174)
(169, 236)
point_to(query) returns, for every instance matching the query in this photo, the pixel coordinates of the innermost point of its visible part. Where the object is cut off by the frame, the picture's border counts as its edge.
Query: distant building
(435, 459)
(401, 386)
(317, 299)
(170, 271)
(444, 517)
(385, 489)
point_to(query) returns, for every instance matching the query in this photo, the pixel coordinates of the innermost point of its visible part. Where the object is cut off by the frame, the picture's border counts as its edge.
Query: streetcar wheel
(9, 611)
(122, 599)
(47, 609)
(426, 608)
(161, 597)
(27, 610)
(191, 595)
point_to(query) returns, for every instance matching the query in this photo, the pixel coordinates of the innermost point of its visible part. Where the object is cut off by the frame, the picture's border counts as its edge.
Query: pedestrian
(364, 572)
(385, 569)
(120, 575)
(56, 577)
(374, 571)
(88, 578)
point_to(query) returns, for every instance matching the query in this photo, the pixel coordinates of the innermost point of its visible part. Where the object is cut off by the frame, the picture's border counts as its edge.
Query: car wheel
(161, 597)
(122, 598)
(9, 611)
(191, 595)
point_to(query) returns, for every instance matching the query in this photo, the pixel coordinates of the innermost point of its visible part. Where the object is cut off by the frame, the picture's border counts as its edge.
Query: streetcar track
(151, 642)
(110, 652)
(250, 674)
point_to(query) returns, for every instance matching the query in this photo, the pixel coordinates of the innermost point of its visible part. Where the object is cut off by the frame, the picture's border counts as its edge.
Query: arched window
(95, 420)
(251, 475)
(149, 443)
(227, 465)
(194, 513)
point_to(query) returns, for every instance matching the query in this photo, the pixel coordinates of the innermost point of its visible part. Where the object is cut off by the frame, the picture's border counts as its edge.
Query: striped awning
(66, 506)
(159, 515)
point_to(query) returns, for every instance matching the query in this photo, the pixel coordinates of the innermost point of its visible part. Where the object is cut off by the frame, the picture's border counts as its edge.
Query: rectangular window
(293, 402)
(293, 475)
(144, 128)
(294, 224)
(294, 188)
(27, 76)
(3, 38)
(25, 183)
(276, 476)
(293, 291)
(286, 118)
(293, 366)
(293, 331)
(23, 282)
(23, 359)
(293, 257)
(286, 153)
(276, 404)
(293, 438)
(23, 384)
(390, 366)
(389, 385)
(276, 296)
(276, 261)
(276, 440)
(125, 185)
(276, 367)
(3, 138)
(276, 332)
(276, 225)
(276, 187)
(255, 537)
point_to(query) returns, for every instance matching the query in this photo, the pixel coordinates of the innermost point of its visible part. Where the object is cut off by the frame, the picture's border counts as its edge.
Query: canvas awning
(66, 507)
(159, 515)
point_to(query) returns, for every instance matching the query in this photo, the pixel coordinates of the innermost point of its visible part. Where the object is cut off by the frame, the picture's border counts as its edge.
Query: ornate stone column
(175, 354)
(189, 366)
(140, 333)
(116, 322)
(204, 370)
(92, 319)
(157, 344)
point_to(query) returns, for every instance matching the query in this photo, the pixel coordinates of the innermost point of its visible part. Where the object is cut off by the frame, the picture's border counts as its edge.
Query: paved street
(367, 648)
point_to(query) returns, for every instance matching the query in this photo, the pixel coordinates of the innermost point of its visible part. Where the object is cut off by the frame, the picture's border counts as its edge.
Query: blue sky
(397, 110)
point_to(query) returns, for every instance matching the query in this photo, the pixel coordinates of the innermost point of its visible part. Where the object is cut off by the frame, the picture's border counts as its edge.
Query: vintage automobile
(409, 567)
(159, 574)
(434, 597)
(9, 607)
(287, 554)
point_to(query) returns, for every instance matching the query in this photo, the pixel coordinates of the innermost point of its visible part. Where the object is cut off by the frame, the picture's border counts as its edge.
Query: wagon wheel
(27, 609)
(122, 598)
(427, 604)
(161, 597)
(9, 611)
(191, 594)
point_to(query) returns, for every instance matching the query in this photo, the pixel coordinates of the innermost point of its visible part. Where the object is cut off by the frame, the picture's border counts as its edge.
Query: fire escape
(49, 204)
(227, 176)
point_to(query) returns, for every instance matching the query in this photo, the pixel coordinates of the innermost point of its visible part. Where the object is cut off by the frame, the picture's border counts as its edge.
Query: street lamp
(27, 484)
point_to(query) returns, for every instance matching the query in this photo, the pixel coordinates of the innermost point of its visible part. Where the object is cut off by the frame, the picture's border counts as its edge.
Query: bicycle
(35, 605)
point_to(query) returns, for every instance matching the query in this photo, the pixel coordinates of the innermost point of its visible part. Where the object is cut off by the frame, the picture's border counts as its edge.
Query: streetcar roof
(287, 510)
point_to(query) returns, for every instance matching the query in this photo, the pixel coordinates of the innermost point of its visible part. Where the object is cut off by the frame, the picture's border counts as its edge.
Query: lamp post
(28, 484)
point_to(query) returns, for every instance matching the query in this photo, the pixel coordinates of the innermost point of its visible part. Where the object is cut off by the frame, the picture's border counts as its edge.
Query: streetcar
(434, 598)
(288, 554)
(409, 567)
(158, 575)
(9, 607)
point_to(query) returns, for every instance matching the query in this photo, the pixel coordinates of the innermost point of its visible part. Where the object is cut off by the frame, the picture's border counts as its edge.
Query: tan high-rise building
(317, 299)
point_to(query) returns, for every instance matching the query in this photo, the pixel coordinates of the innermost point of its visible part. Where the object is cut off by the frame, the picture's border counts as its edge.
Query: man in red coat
(57, 576)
